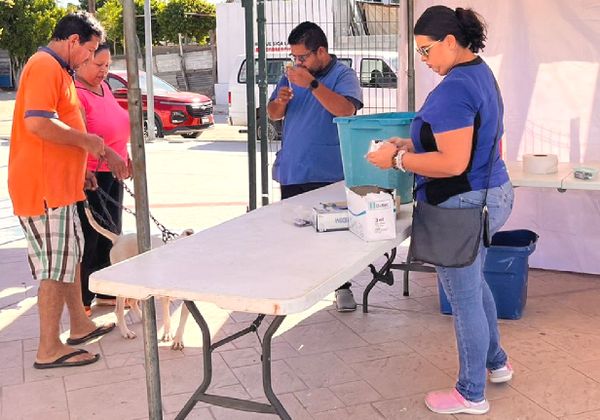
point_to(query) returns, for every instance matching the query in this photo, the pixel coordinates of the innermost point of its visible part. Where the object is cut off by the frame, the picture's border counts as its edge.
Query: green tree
(191, 18)
(83, 4)
(111, 17)
(27, 24)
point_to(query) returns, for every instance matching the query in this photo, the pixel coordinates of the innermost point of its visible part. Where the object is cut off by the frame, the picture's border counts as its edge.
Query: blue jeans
(473, 306)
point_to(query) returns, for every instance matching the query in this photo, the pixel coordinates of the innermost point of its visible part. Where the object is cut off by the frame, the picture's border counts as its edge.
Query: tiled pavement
(327, 366)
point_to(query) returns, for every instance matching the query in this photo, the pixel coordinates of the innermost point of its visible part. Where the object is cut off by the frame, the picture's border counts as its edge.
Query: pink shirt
(106, 118)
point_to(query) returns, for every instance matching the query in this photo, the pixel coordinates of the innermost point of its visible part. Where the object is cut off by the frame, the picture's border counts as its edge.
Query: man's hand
(94, 145)
(300, 76)
(285, 95)
(116, 164)
(90, 183)
(384, 156)
(276, 108)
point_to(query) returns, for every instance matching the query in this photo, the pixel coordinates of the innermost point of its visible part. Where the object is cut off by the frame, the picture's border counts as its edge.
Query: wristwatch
(313, 85)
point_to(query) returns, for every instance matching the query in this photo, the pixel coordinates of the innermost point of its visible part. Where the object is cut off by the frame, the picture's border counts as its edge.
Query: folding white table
(255, 263)
(562, 180)
(565, 220)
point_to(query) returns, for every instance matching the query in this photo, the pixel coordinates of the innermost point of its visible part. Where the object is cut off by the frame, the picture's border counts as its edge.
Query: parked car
(376, 71)
(175, 112)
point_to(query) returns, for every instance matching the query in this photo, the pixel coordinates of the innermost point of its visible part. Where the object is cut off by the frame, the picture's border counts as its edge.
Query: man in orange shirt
(46, 173)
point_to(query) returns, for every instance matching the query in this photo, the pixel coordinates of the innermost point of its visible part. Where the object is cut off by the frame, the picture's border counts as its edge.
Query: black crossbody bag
(451, 237)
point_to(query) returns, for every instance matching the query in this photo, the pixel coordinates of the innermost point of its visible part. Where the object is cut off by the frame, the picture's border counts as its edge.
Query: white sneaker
(503, 374)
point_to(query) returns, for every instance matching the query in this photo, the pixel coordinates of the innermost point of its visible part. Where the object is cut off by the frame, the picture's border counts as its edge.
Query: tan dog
(124, 247)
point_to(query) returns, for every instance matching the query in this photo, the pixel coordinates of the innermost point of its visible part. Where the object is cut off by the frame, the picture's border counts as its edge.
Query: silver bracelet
(398, 160)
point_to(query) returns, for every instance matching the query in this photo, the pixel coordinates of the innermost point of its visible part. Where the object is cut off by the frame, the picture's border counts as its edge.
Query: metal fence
(363, 33)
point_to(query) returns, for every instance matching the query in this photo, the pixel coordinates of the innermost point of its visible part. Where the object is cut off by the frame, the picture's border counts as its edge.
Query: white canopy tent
(546, 56)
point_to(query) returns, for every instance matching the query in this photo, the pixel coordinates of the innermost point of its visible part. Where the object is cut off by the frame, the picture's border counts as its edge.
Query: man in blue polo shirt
(308, 97)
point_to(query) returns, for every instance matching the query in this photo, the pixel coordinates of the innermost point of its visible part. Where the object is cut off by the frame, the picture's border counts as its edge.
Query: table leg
(266, 368)
(229, 402)
(385, 274)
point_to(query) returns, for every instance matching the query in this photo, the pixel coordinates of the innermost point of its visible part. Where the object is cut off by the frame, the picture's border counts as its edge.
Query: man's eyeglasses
(424, 51)
(301, 58)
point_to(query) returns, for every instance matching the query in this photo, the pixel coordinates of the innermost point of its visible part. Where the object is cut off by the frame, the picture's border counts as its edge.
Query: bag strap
(496, 139)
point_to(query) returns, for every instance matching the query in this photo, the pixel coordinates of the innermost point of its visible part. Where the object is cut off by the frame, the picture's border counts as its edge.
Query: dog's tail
(102, 231)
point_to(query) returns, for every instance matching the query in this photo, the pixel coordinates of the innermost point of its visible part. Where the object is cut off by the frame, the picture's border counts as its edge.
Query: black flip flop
(62, 361)
(96, 333)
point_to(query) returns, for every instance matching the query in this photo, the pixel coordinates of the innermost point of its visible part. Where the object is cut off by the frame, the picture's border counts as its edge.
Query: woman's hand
(402, 144)
(90, 183)
(116, 164)
(383, 157)
(130, 167)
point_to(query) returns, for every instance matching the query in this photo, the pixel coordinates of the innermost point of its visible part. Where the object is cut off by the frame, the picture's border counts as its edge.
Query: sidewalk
(7, 100)
(326, 365)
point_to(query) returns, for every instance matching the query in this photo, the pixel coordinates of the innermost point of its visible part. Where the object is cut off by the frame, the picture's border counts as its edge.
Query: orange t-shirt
(42, 173)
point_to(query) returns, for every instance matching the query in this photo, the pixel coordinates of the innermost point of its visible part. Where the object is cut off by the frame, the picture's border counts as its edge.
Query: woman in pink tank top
(103, 116)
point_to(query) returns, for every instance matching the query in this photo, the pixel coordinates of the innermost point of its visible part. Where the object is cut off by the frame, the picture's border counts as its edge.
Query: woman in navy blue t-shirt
(451, 142)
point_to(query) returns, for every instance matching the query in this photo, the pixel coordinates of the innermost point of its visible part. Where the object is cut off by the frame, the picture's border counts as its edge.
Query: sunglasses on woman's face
(424, 51)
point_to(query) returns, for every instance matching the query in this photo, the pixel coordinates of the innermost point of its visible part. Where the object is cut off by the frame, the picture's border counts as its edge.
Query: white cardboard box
(327, 217)
(372, 214)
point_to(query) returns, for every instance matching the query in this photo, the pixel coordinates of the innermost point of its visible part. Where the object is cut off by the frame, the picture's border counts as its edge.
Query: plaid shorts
(54, 243)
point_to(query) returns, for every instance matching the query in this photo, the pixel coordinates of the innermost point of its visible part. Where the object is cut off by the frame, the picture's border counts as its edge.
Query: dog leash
(103, 197)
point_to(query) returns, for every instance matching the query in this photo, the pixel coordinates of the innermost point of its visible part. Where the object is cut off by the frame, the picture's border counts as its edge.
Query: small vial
(289, 65)
(374, 145)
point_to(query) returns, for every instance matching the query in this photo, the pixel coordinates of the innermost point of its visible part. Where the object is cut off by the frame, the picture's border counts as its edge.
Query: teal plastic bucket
(356, 134)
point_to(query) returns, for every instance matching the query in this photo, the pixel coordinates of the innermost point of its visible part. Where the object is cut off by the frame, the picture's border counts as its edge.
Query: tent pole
(262, 100)
(251, 101)
(141, 206)
(150, 124)
(410, 18)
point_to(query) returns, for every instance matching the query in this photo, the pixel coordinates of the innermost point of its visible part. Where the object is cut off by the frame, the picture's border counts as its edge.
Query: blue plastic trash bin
(356, 134)
(506, 271)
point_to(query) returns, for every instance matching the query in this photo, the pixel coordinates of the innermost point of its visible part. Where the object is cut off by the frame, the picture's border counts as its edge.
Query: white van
(376, 71)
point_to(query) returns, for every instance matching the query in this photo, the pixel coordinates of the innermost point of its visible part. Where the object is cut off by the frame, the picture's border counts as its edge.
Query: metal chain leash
(167, 234)
(103, 196)
(108, 221)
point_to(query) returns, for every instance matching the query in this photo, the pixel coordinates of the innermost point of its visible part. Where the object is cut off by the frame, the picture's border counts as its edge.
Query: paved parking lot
(191, 183)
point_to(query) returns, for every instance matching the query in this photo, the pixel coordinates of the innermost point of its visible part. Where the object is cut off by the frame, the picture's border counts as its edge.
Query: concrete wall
(194, 73)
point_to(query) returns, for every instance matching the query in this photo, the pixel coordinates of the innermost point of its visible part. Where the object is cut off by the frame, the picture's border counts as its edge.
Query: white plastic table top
(563, 179)
(254, 263)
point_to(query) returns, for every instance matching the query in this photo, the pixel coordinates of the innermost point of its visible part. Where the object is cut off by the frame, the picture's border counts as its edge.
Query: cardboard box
(372, 213)
(328, 217)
